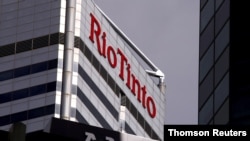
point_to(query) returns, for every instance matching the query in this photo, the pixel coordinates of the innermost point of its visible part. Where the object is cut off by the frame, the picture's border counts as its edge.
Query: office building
(224, 60)
(67, 59)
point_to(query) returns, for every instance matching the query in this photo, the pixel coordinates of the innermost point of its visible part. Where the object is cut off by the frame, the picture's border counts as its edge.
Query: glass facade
(224, 86)
(214, 62)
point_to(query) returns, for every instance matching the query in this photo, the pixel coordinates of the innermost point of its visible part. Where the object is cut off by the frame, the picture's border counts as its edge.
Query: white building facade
(110, 88)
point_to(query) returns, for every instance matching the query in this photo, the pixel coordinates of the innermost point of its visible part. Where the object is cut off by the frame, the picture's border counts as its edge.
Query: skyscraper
(224, 60)
(67, 59)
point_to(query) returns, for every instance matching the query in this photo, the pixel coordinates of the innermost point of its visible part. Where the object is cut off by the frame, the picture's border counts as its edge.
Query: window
(5, 97)
(206, 112)
(221, 66)
(41, 42)
(221, 92)
(19, 116)
(35, 68)
(95, 63)
(34, 113)
(6, 75)
(206, 38)
(88, 54)
(222, 15)
(206, 63)
(206, 88)
(77, 42)
(24, 46)
(19, 94)
(4, 120)
(7, 50)
(222, 40)
(206, 14)
(22, 71)
(36, 90)
(54, 38)
(52, 64)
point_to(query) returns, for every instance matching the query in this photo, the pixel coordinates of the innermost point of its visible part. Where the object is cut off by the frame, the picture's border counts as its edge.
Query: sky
(167, 31)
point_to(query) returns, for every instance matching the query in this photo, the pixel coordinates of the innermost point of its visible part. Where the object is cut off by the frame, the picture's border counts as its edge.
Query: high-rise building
(67, 59)
(224, 60)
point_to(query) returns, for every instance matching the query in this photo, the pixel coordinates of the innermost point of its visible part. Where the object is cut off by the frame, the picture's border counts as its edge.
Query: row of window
(27, 92)
(27, 70)
(25, 115)
(112, 84)
(31, 44)
(92, 109)
(58, 38)
(97, 65)
(137, 115)
(98, 92)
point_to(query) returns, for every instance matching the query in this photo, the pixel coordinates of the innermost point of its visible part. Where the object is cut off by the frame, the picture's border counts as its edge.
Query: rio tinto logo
(111, 54)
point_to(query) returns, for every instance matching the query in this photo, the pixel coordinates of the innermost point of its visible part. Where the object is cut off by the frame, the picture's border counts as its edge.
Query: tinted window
(222, 40)
(24, 46)
(36, 90)
(7, 50)
(19, 116)
(206, 63)
(52, 64)
(207, 13)
(5, 97)
(41, 42)
(206, 88)
(222, 117)
(20, 94)
(6, 75)
(206, 112)
(54, 38)
(22, 71)
(221, 92)
(222, 16)
(34, 113)
(221, 66)
(39, 67)
(206, 38)
(4, 120)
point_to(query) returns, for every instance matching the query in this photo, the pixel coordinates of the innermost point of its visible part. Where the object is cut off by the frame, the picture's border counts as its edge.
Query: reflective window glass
(206, 88)
(206, 112)
(206, 14)
(35, 68)
(6, 75)
(221, 92)
(221, 66)
(222, 40)
(222, 16)
(19, 117)
(206, 63)
(34, 113)
(22, 71)
(222, 117)
(5, 97)
(20, 94)
(36, 90)
(206, 38)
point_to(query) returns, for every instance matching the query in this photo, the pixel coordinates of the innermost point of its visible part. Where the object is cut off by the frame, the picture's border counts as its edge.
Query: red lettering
(112, 51)
(95, 32)
(128, 76)
(123, 61)
(136, 83)
(152, 110)
(103, 45)
(144, 92)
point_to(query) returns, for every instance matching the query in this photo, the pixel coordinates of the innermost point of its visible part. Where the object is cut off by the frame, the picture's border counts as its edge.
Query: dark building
(224, 86)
